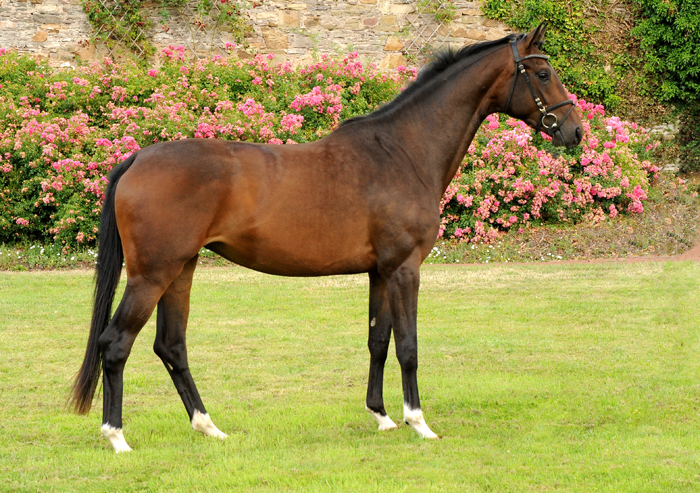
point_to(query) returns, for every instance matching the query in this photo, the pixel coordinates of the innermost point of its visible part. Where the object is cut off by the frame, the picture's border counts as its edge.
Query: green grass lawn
(568, 377)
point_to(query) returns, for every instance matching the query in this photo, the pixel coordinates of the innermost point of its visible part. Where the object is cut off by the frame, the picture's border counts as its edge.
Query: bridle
(546, 112)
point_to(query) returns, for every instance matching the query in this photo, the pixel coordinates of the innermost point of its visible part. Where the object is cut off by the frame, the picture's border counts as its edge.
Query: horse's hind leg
(378, 343)
(173, 311)
(137, 304)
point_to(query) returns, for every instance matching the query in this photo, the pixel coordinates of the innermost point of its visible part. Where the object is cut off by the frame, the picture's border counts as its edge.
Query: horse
(363, 199)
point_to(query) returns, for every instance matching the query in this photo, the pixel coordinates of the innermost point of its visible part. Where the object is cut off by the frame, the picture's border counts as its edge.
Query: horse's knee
(408, 357)
(378, 349)
(173, 356)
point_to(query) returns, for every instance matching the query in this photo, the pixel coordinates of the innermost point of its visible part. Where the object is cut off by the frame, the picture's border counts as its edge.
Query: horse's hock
(388, 32)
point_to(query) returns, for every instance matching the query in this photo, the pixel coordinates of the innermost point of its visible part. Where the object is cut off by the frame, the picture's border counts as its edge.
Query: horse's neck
(438, 126)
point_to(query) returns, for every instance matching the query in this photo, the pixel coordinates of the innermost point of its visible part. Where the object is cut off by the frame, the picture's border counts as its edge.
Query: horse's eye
(543, 75)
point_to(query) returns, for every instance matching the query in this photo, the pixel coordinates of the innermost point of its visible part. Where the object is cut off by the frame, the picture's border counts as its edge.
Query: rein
(546, 112)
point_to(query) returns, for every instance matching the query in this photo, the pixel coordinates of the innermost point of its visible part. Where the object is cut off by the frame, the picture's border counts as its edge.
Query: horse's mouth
(569, 141)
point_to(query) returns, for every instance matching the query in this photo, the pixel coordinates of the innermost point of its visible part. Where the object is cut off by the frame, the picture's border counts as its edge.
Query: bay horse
(365, 198)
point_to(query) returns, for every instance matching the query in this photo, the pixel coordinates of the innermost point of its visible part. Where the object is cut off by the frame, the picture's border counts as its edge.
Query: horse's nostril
(579, 134)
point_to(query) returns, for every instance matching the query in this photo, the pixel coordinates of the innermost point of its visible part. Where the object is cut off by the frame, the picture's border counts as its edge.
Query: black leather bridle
(546, 112)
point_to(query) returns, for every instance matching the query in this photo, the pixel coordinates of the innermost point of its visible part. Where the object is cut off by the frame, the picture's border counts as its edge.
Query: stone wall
(389, 32)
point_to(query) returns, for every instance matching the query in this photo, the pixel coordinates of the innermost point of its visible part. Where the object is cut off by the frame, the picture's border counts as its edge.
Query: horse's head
(537, 96)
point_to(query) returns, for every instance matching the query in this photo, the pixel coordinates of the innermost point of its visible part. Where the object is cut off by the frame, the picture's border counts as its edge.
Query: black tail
(110, 258)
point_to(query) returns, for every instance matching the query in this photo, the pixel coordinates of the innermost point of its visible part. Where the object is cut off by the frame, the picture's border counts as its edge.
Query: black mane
(441, 61)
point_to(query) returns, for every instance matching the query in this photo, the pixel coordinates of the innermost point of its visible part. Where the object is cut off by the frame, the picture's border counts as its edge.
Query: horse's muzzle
(568, 138)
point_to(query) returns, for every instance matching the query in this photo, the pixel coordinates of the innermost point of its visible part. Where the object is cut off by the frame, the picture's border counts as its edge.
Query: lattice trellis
(427, 33)
(198, 30)
(113, 38)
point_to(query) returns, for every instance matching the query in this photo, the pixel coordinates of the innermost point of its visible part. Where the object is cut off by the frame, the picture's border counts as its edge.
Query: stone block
(459, 32)
(87, 52)
(388, 20)
(71, 47)
(297, 6)
(350, 22)
(404, 8)
(393, 44)
(290, 19)
(486, 22)
(46, 18)
(40, 36)
(493, 34)
(386, 29)
(392, 61)
(275, 39)
(265, 17)
(370, 21)
(280, 58)
(476, 35)
(7, 25)
(368, 2)
(301, 41)
(312, 22)
(470, 20)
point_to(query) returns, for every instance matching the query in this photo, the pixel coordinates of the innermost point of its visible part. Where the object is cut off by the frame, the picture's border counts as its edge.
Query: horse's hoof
(414, 418)
(383, 420)
(115, 437)
(203, 424)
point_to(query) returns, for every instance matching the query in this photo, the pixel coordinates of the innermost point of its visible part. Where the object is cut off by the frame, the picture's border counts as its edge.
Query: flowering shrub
(510, 179)
(61, 132)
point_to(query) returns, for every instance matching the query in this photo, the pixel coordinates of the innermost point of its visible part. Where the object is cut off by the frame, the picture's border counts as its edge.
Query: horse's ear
(537, 36)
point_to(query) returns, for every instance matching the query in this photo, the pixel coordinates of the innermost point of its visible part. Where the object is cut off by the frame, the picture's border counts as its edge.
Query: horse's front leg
(402, 290)
(378, 343)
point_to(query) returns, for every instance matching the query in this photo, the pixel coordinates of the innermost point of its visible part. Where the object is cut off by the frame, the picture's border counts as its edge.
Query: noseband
(546, 112)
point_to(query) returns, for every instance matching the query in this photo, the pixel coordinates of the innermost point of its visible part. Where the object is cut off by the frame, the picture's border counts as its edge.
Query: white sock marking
(384, 422)
(414, 417)
(115, 437)
(203, 424)
(373, 322)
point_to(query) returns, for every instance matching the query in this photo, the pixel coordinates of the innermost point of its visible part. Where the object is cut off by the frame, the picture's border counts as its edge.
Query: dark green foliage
(670, 40)
(689, 138)
(578, 62)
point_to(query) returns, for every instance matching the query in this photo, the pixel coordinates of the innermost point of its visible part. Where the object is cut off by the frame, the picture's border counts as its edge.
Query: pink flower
(493, 120)
(153, 72)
